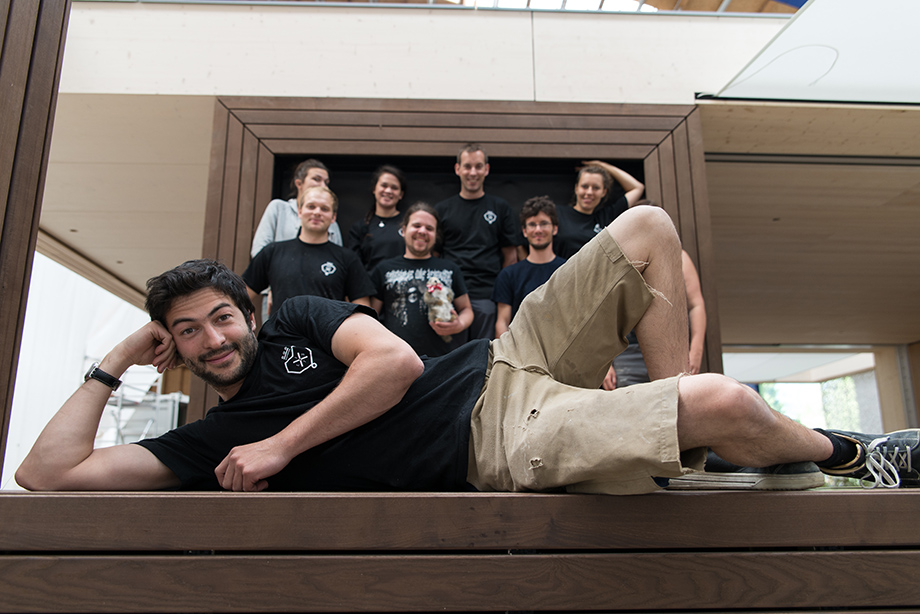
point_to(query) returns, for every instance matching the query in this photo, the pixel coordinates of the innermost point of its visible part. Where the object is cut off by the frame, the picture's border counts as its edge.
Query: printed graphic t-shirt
(401, 284)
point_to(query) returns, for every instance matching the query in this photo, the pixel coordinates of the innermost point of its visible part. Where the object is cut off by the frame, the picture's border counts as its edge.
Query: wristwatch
(101, 376)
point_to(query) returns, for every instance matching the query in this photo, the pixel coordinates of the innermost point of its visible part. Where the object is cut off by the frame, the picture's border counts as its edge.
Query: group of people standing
(468, 251)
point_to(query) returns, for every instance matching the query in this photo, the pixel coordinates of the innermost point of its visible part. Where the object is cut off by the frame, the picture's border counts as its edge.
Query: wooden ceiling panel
(803, 129)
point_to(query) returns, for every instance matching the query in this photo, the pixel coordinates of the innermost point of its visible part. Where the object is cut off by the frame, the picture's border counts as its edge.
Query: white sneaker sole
(746, 481)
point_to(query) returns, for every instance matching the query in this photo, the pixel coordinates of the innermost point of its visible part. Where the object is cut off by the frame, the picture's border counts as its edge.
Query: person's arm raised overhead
(632, 186)
(63, 457)
(381, 367)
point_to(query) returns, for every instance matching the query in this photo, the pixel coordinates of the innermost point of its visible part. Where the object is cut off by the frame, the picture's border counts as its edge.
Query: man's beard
(546, 243)
(246, 348)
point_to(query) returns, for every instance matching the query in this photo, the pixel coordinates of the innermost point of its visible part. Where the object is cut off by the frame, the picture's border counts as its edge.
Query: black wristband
(101, 376)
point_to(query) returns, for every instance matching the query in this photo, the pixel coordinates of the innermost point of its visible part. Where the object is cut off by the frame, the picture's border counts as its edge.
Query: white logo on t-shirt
(297, 360)
(328, 269)
(401, 233)
(490, 216)
(598, 228)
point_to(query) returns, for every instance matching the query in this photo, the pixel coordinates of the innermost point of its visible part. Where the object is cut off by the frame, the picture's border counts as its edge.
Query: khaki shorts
(542, 422)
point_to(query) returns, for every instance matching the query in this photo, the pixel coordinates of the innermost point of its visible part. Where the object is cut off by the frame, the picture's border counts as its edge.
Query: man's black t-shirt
(419, 444)
(474, 233)
(295, 268)
(518, 280)
(401, 285)
(377, 240)
(576, 228)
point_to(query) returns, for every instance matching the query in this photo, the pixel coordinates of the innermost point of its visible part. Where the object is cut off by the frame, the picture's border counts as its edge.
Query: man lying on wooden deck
(327, 399)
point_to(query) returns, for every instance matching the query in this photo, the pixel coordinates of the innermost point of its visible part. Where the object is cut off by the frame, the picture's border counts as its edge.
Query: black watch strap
(101, 376)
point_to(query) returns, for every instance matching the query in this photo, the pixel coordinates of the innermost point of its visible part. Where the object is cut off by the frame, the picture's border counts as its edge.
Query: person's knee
(715, 397)
(650, 227)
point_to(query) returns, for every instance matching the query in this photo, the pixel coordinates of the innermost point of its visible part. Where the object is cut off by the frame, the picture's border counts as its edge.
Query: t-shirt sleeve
(378, 283)
(313, 318)
(612, 211)
(459, 285)
(192, 452)
(355, 235)
(256, 274)
(510, 231)
(502, 292)
(265, 231)
(358, 283)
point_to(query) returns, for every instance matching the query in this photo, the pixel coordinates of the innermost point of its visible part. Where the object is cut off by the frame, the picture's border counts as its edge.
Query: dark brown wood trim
(705, 261)
(46, 522)
(454, 106)
(30, 64)
(653, 581)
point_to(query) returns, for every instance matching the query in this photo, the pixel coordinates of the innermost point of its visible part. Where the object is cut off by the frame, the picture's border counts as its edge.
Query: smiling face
(216, 341)
(317, 212)
(387, 194)
(589, 192)
(472, 170)
(539, 231)
(420, 233)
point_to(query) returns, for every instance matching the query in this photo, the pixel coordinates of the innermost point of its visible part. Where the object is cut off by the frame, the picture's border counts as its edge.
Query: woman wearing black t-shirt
(590, 210)
(378, 235)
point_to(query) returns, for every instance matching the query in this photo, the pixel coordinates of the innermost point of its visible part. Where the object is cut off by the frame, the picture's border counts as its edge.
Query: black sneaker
(719, 474)
(883, 460)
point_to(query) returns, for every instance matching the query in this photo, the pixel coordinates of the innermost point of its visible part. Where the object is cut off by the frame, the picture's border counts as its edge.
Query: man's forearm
(68, 439)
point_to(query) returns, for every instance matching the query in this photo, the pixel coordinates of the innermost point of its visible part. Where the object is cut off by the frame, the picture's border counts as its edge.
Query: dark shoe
(883, 460)
(719, 474)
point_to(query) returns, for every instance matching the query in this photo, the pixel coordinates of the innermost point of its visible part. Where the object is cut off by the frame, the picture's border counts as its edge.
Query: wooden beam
(30, 63)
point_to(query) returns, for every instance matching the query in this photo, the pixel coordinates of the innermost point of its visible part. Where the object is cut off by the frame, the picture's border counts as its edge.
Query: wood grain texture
(457, 582)
(455, 521)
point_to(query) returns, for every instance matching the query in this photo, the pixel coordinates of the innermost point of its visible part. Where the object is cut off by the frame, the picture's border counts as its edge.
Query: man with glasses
(539, 225)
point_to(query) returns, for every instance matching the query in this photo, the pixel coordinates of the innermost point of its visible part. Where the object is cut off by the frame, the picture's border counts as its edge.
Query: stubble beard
(246, 348)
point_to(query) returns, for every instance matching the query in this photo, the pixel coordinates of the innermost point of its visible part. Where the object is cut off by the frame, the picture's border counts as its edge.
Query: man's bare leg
(713, 410)
(716, 411)
(648, 239)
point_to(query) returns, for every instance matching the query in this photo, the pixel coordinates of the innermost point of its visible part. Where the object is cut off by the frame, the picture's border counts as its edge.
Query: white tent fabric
(69, 322)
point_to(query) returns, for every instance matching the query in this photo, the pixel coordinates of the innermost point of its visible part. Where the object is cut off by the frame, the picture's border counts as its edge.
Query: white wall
(405, 52)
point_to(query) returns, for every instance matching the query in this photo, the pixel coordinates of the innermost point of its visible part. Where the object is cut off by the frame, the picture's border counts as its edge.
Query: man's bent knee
(713, 407)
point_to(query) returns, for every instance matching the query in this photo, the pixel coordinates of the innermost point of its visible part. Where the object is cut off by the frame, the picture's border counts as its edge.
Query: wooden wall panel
(245, 225)
(218, 163)
(30, 63)
(913, 356)
(705, 260)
